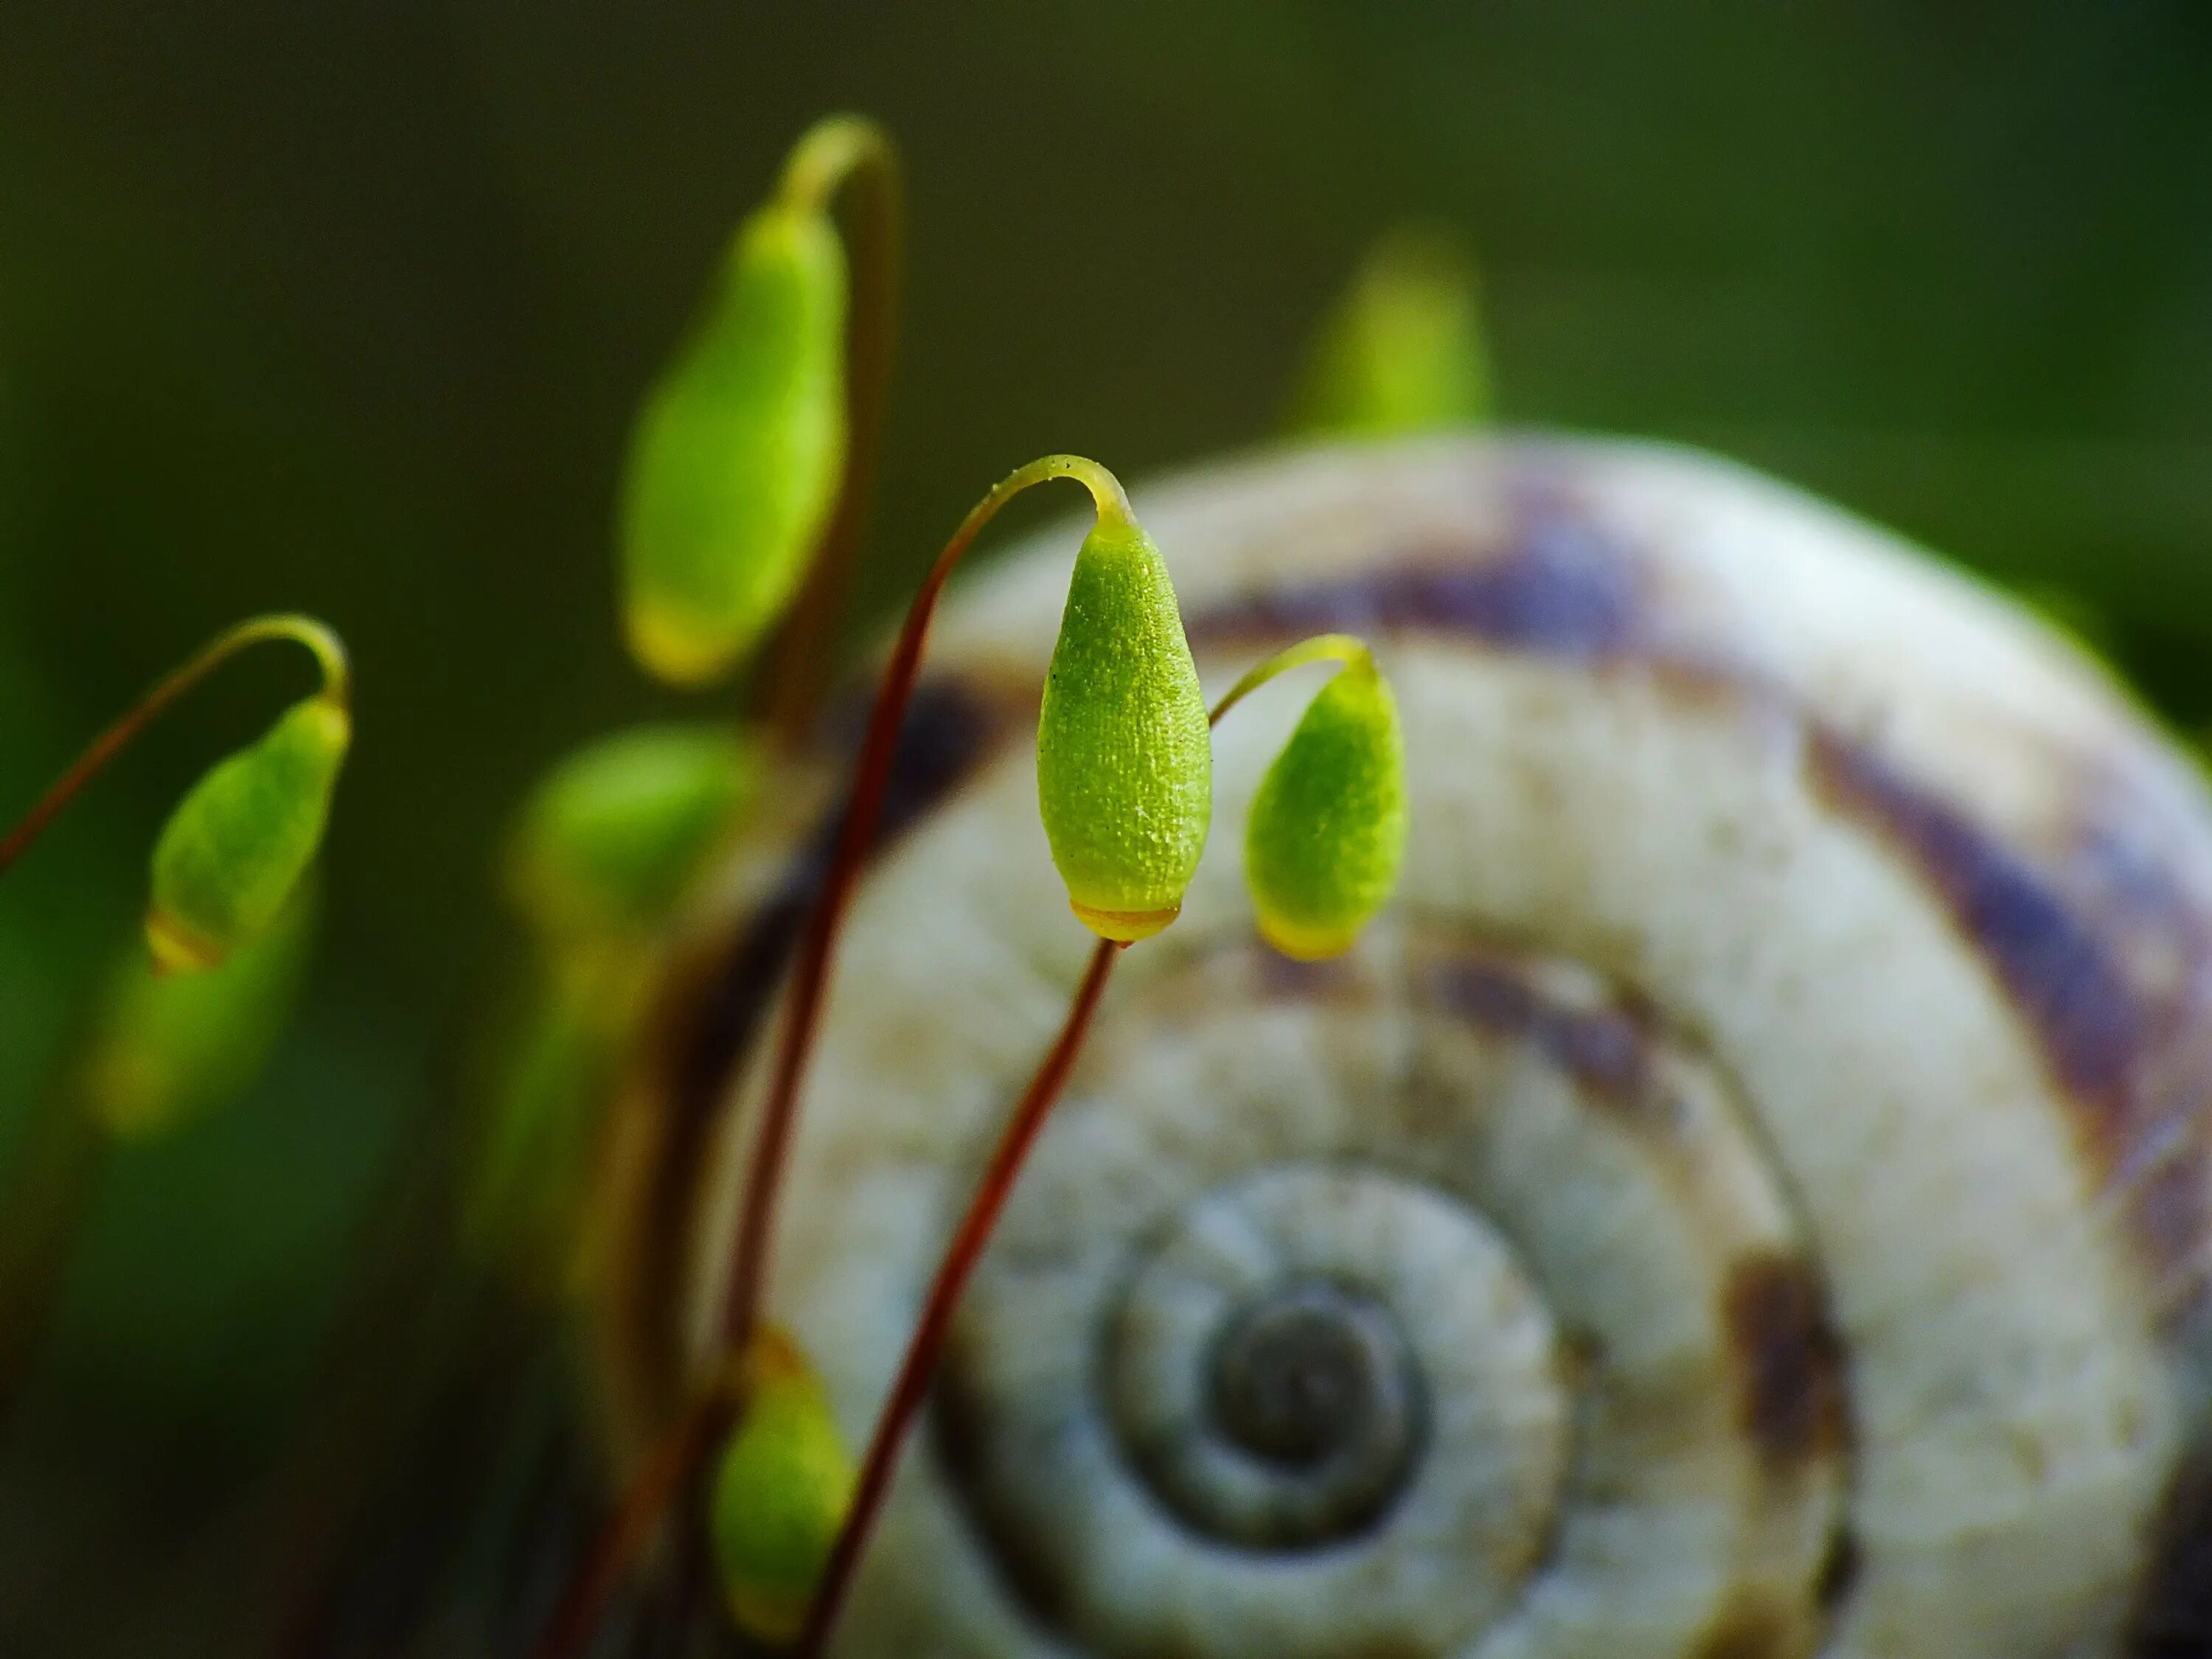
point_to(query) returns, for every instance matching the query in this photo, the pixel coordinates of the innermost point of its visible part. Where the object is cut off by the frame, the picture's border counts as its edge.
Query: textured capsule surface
(236, 847)
(779, 1494)
(614, 834)
(1125, 759)
(735, 463)
(1328, 830)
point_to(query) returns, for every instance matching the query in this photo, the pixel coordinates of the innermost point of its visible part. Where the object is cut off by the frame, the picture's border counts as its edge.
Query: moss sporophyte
(187, 1018)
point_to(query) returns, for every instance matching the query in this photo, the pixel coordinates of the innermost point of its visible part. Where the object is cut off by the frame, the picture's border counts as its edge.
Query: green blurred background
(346, 307)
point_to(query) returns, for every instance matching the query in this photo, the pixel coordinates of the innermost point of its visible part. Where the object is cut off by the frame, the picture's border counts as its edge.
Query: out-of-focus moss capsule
(1328, 830)
(237, 845)
(611, 837)
(1125, 758)
(780, 1493)
(165, 1048)
(1403, 351)
(545, 1084)
(736, 459)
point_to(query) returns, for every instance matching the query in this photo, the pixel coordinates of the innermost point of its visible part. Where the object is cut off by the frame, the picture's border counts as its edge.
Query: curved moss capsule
(737, 456)
(614, 834)
(1328, 830)
(1403, 351)
(237, 845)
(163, 1048)
(1125, 759)
(780, 1493)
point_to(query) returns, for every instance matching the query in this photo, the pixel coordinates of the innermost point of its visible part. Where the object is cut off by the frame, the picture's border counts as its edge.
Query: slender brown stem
(109, 744)
(666, 1473)
(846, 152)
(911, 1386)
(56, 1171)
(686, 1446)
(1347, 649)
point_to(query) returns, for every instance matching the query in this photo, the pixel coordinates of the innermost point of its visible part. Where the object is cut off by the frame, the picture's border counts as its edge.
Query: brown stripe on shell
(2095, 946)
(2091, 1021)
(1609, 1050)
(1749, 1629)
(712, 1017)
(1789, 1363)
(1563, 587)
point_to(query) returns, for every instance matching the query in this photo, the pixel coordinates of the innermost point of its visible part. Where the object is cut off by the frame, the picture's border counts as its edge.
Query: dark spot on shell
(1751, 1630)
(1563, 587)
(2173, 1616)
(1607, 1050)
(1839, 1571)
(1791, 1398)
(949, 730)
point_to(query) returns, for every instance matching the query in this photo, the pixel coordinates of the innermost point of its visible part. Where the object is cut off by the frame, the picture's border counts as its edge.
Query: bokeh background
(346, 307)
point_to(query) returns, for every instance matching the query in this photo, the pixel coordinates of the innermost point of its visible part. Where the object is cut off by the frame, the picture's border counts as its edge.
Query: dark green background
(346, 306)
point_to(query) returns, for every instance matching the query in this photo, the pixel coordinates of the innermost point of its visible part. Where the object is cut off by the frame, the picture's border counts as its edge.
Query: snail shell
(1746, 1198)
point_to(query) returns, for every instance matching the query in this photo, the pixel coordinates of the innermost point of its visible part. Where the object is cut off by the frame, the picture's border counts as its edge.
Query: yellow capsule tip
(672, 652)
(176, 951)
(1305, 943)
(1123, 926)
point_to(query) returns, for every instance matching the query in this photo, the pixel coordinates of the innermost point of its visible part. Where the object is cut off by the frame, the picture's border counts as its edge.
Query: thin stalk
(911, 1387)
(850, 155)
(674, 1462)
(1347, 649)
(305, 630)
(671, 1467)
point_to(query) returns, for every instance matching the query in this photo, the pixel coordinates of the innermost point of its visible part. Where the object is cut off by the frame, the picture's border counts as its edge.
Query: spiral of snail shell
(1747, 1197)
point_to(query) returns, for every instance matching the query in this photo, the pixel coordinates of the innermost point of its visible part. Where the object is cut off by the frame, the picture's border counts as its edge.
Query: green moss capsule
(736, 457)
(237, 845)
(163, 1048)
(1328, 830)
(780, 1493)
(1125, 760)
(1403, 351)
(616, 831)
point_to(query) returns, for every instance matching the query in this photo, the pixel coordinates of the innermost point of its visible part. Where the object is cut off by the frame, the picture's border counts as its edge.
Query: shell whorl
(1746, 1198)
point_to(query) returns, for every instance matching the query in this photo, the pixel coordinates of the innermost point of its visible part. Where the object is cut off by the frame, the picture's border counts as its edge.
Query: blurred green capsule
(525, 1206)
(165, 1048)
(1403, 351)
(1125, 758)
(781, 1493)
(236, 847)
(616, 831)
(735, 463)
(1328, 830)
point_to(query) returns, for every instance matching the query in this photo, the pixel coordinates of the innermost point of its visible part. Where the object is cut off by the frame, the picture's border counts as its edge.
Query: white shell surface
(1861, 1318)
